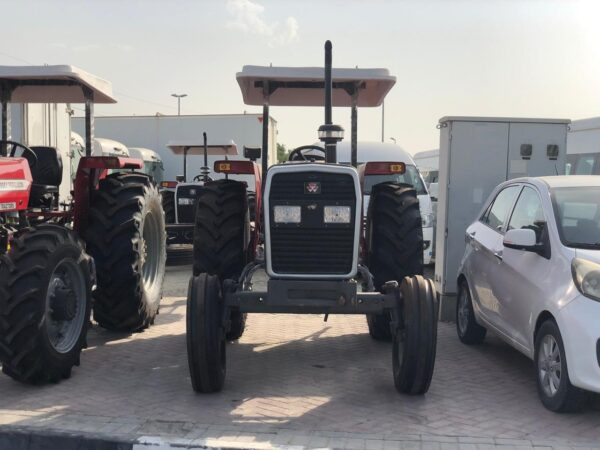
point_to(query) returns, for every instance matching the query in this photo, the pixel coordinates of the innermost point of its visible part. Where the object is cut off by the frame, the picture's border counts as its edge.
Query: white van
(380, 151)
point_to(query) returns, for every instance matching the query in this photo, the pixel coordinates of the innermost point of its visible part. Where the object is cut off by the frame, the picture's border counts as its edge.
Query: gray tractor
(309, 236)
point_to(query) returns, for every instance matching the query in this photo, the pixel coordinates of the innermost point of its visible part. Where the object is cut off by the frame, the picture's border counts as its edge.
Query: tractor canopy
(304, 86)
(197, 148)
(52, 84)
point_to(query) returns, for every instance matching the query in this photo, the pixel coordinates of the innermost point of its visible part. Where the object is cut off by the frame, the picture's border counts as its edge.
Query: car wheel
(554, 387)
(468, 330)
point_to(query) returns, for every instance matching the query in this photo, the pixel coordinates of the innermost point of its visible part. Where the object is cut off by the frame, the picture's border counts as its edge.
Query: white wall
(154, 132)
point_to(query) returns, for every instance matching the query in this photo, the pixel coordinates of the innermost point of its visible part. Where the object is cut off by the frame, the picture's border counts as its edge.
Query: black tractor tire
(168, 204)
(126, 237)
(567, 397)
(394, 242)
(205, 334)
(252, 205)
(468, 330)
(415, 341)
(222, 237)
(26, 270)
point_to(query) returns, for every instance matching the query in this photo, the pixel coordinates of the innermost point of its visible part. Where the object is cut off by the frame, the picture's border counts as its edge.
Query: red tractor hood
(15, 184)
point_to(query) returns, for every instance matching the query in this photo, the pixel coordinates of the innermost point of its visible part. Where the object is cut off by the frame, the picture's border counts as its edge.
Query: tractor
(179, 197)
(310, 239)
(102, 249)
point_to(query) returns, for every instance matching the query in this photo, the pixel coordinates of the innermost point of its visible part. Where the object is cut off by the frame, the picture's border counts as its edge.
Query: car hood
(590, 255)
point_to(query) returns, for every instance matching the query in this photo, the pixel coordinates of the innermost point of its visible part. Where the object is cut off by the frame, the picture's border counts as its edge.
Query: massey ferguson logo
(312, 187)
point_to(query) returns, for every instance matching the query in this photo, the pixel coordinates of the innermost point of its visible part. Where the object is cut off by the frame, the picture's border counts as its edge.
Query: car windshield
(411, 176)
(577, 211)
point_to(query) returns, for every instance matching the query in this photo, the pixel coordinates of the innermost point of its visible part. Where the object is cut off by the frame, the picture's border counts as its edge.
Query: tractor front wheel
(126, 237)
(205, 334)
(415, 339)
(168, 204)
(45, 297)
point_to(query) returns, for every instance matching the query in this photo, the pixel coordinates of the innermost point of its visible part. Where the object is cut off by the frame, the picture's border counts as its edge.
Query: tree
(282, 153)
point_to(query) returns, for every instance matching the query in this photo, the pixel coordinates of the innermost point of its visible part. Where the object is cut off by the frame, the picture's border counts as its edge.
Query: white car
(531, 274)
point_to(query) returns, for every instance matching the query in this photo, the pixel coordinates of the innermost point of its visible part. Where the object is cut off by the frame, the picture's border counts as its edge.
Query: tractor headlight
(287, 214)
(336, 214)
(13, 185)
(426, 220)
(186, 201)
(586, 276)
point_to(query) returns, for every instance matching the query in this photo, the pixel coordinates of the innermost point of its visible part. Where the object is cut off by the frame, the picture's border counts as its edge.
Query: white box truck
(477, 154)
(583, 147)
(155, 132)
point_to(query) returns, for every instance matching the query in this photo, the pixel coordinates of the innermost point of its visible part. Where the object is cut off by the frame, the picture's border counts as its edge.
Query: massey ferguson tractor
(103, 249)
(309, 236)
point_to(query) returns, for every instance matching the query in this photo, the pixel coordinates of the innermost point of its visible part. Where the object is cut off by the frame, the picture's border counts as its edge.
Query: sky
(521, 58)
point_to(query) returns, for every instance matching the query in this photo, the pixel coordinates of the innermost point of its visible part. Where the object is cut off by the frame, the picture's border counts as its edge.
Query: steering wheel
(201, 178)
(14, 146)
(298, 153)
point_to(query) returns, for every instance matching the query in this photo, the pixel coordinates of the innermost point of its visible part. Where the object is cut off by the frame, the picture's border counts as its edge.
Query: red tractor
(102, 249)
(310, 239)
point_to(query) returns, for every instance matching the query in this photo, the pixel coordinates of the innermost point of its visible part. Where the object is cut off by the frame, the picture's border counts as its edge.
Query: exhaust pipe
(329, 133)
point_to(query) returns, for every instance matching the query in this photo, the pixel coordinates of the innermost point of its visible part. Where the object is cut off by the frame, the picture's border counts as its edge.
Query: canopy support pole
(185, 152)
(6, 125)
(89, 120)
(354, 128)
(265, 131)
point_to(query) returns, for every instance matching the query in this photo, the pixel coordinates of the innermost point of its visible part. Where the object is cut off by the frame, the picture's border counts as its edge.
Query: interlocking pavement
(294, 381)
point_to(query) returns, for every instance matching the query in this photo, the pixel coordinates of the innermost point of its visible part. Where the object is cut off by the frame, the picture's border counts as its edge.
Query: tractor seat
(46, 173)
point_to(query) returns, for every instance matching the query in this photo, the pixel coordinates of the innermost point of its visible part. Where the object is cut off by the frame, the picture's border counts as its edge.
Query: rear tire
(252, 205)
(395, 243)
(45, 300)
(551, 364)
(222, 237)
(205, 334)
(468, 330)
(414, 344)
(127, 239)
(168, 204)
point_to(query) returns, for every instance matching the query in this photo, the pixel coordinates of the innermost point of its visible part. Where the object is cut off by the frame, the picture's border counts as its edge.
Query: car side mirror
(433, 191)
(521, 239)
(252, 153)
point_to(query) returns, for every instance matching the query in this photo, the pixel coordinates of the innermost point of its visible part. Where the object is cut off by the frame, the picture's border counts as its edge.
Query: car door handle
(498, 254)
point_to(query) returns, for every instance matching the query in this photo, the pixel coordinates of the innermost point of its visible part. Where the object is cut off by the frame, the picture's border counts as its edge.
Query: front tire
(395, 243)
(414, 343)
(205, 334)
(468, 330)
(168, 204)
(45, 300)
(222, 237)
(127, 239)
(554, 387)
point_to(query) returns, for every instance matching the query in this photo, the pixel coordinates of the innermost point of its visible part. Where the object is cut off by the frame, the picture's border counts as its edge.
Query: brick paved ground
(295, 380)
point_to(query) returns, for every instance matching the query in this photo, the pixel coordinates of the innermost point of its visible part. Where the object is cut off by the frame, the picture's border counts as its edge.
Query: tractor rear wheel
(126, 237)
(205, 334)
(168, 204)
(415, 341)
(222, 237)
(395, 243)
(45, 298)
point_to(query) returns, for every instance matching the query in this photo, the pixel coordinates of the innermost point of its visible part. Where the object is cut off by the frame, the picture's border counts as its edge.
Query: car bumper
(428, 245)
(580, 328)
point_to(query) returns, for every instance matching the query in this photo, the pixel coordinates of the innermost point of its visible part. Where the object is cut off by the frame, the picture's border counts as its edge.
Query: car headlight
(287, 214)
(426, 220)
(586, 276)
(13, 185)
(336, 214)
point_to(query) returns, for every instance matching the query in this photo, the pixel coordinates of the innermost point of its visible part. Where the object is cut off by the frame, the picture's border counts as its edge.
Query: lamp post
(178, 97)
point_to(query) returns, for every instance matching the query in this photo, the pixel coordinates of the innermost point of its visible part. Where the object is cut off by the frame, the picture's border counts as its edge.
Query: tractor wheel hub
(63, 302)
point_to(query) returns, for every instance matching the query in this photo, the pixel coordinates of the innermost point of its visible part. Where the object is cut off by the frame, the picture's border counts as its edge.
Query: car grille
(312, 247)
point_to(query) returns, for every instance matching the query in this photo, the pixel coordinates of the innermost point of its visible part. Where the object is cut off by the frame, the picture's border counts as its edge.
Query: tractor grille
(312, 247)
(186, 212)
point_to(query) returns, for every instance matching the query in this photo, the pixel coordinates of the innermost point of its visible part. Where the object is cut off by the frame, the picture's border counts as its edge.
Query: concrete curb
(18, 438)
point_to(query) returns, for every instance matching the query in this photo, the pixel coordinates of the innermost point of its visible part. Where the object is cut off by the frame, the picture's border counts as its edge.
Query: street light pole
(178, 97)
